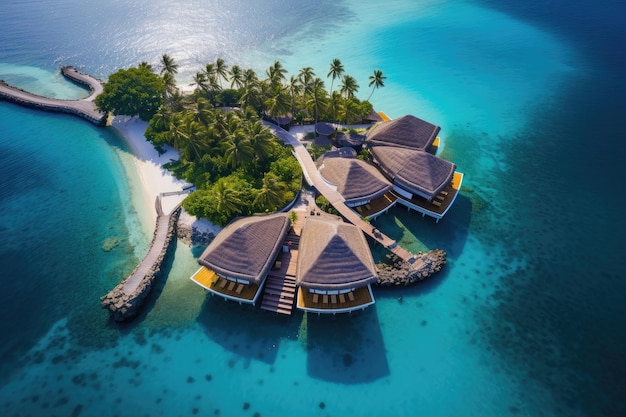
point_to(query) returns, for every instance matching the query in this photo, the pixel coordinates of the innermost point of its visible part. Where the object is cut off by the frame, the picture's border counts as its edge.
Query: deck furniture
(333, 299)
(350, 296)
(231, 286)
(223, 283)
(342, 298)
(436, 203)
(239, 289)
(316, 298)
(325, 299)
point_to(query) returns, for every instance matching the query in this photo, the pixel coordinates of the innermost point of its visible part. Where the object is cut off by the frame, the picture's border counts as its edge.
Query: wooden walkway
(313, 177)
(84, 108)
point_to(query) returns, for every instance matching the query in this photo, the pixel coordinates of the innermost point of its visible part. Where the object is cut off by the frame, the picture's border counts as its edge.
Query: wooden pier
(313, 177)
(85, 108)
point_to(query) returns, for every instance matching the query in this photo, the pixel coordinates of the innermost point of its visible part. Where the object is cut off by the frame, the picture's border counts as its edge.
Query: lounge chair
(342, 298)
(333, 299)
(325, 299)
(223, 283)
(231, 286)
(316, 298)
(436, 203)
(350, 296)
(239, 288)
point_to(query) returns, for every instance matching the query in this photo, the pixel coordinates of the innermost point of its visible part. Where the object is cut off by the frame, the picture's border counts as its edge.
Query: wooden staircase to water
(279, 294)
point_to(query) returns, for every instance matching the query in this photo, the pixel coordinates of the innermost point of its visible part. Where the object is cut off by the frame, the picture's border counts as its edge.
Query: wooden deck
(441, 203)
(245, 293)
(335, 303)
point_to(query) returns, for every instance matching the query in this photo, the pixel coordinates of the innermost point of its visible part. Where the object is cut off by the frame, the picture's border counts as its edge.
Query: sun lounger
(440, 197)
(239, 288)
(223, 283)
(231, 286)
(333, 299)
(316, 298)
(350, 296)
(325, 299)
(342, 298)
(444, 193)
(436, 203)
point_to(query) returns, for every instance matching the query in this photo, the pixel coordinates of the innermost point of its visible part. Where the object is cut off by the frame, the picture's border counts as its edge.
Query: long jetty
(85, 108)
(124, 301)
(313, 177)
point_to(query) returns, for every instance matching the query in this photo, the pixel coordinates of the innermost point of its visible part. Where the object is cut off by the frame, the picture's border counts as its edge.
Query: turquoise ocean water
(527, 319)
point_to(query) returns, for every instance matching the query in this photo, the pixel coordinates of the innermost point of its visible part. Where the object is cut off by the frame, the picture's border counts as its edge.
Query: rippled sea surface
(528, 316)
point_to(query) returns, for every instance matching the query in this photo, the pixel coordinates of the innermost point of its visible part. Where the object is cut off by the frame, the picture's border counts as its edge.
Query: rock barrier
(402, 273)
(123, 306)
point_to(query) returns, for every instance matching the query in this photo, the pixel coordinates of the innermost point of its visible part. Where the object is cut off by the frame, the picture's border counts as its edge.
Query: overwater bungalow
(335, 267)
(361, 184)
(403, 149)
(237, 262)
(405, 132)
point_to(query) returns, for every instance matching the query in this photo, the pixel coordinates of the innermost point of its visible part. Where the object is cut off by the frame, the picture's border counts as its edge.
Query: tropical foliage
(136, 91)
(238, 166)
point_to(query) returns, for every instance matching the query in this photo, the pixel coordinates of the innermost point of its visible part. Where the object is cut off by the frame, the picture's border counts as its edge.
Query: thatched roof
(407, 132)
(333, 255)
(323, 128)
(414, 170)
(246, 248)
(356, 180)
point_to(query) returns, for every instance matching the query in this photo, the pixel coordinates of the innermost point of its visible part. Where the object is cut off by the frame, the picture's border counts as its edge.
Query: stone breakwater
(402, 273)
(84, 108)
(124, 305)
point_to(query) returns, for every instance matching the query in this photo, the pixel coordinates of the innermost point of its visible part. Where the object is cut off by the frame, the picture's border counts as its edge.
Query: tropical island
(245, 171)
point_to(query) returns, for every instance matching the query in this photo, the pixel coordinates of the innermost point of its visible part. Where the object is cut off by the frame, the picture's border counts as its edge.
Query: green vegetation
(135, 91)
(324, 205)
(238, 166)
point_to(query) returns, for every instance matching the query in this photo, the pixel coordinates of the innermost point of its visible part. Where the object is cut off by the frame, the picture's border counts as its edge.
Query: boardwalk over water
(125, 299)
(84, 108)
(313, 177)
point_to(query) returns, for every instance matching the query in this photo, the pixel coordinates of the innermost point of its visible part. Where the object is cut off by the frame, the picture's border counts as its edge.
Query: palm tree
(272, 193)
(144, 64)
(236, 77)
(278, 103)
(305, 76)
(376, 80)
(318, 96)
(261, 139)
(168, 64)
(209, 70)
(228, 199)
(238, 151)
(221, 71)
(294, 91)
(349, 86)
(336, 71)
(200, 80)
(276, 73)
(170, 84)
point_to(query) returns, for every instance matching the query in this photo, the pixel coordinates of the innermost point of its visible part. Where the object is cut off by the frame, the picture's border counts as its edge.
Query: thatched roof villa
(405, 132)
(357, 181)
(238, 260)
(335, 267)
(414, 170)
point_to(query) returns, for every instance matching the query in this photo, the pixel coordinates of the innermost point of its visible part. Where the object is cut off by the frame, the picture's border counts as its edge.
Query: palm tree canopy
(221, 70)
(376, 80)
(336, 71)
(169, 65)
(349, 86)
(236, 77)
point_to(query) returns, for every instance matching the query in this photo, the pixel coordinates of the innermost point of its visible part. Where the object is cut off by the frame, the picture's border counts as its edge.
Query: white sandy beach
(153, 177)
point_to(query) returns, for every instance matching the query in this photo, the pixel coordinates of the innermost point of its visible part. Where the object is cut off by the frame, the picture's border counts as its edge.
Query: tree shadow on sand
(346, 348)
(245, 330)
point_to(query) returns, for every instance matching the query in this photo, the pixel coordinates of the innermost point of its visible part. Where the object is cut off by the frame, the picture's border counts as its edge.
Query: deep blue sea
(528, 318)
